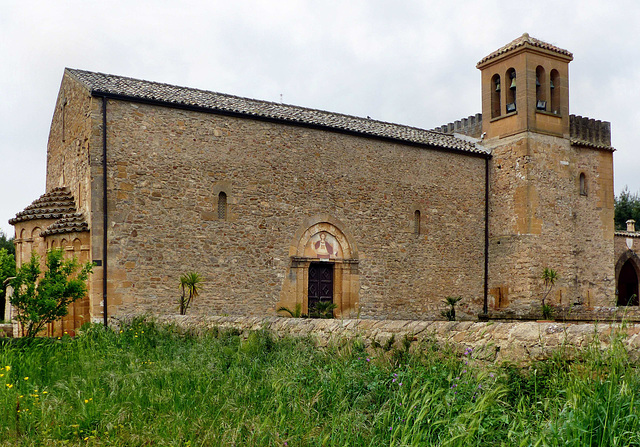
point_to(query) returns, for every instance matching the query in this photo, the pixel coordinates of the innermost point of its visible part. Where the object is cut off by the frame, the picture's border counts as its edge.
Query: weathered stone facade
(260, 197)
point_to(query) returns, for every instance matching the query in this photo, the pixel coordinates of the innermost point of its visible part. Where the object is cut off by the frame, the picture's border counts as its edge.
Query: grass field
(149, 385)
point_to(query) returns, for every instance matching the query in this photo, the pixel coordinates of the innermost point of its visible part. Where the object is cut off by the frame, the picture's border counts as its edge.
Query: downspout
(485, 307)
(104, 209)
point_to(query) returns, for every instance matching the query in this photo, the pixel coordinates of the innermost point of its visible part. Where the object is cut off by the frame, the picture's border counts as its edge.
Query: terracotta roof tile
(100, 83)
(70, 223)
(523, 40)
(51, 205)
(57, 204)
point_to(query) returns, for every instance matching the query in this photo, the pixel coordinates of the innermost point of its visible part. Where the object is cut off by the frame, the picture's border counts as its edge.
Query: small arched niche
(323, 267)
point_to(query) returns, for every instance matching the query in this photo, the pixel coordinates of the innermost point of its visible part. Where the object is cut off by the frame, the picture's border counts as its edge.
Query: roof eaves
(220, 103)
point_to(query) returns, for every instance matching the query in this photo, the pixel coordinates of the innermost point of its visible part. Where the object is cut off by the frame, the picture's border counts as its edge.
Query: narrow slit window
(222, 206)
(583, 184)
(416, 222)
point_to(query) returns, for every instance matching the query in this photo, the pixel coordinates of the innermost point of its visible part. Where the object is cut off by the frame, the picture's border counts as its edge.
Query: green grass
(152, 385)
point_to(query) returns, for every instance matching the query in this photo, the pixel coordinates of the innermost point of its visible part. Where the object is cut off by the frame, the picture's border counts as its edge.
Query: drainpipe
(485, 307)
(104, 209)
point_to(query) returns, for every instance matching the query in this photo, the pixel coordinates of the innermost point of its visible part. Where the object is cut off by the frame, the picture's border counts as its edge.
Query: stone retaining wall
(496, 342)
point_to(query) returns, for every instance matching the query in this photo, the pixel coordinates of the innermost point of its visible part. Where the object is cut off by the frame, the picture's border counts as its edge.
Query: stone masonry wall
(166, 167)
(74, 150)
(497, 342)
(538, 219)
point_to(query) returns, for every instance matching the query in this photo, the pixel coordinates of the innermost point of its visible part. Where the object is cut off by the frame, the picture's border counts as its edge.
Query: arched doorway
(628, 284)
(323, 269)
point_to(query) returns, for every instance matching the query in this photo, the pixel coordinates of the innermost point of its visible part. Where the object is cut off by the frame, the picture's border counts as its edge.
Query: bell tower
(525, 87)
(540, 213)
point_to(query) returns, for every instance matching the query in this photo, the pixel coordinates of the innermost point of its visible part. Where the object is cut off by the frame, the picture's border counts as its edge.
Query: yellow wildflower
(8, 367)
(26, 378)
(9, 385)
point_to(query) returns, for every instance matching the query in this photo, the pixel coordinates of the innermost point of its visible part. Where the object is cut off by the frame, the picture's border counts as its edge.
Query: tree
(39, 302)
(7, 243)
(7, 270)
(190, 285)
(627, 206)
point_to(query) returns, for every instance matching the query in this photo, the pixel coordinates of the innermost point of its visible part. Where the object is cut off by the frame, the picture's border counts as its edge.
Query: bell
(551, 84)
(537, 82)
(498, 85)
(513, 83)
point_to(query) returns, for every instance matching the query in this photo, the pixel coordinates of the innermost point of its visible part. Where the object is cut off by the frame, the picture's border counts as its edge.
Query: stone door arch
(322, 239)
(627, 279)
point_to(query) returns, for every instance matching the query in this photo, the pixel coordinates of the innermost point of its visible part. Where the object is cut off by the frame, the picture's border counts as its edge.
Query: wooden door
(320, 285)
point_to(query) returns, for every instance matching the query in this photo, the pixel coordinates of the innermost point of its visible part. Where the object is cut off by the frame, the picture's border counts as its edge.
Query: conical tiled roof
(524, 40)
(54, 204)
(57, 204)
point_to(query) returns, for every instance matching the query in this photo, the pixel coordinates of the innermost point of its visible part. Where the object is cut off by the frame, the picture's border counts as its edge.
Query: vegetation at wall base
(159, 385)
(7, 270)
(190, 286)
(42, 300)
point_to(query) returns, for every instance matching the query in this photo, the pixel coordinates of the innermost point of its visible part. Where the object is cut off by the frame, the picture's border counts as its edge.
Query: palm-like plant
(295, 313)
(323, 309)
(549, 277)
(190, 285)
(451, 301)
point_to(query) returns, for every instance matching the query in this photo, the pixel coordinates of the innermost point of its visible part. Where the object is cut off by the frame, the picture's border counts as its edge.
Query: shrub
(39, 302)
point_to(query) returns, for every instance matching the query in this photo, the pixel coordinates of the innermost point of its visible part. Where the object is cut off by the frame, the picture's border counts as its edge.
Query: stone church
(277, 205)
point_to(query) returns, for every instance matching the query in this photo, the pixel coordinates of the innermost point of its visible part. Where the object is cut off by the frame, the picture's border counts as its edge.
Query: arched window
(511, 90)
(222, 206)
(555, 92)
(541, 89)
(416, 222)
(495, 96)
(583, 184)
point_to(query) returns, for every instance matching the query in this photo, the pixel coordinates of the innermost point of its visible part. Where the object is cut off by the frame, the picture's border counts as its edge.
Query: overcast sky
(408, 62)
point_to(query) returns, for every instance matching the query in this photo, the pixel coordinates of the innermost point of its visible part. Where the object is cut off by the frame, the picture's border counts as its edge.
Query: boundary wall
(495, 342)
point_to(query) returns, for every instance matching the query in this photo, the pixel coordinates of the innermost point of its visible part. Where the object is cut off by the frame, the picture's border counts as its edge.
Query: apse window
(222, 206)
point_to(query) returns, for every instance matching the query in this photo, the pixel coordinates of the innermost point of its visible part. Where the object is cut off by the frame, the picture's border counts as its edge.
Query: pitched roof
(521, 41)
(105, 84)
(57, 204)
